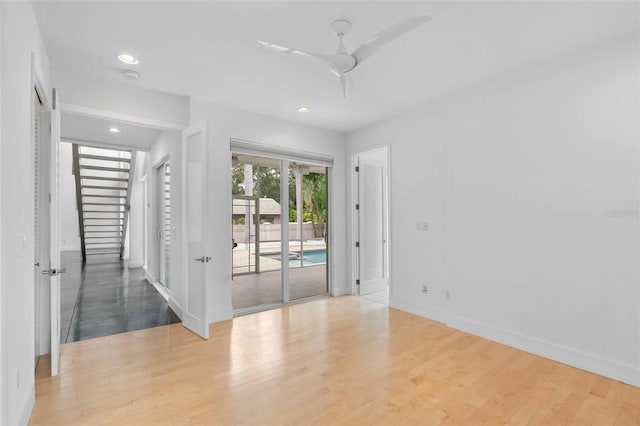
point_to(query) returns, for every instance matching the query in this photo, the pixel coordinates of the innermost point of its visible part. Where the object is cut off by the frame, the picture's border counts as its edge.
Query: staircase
(103, 193)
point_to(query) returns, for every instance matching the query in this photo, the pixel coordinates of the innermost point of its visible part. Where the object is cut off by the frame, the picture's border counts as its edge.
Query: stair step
(91, 253)
(104, 178)
(104, 169)
(96, 238)
(103, 211)
(104, 158)
(104, 224)
(109, 188)
(103, 204)
(103, 196)
(118, 225)
(104, 232)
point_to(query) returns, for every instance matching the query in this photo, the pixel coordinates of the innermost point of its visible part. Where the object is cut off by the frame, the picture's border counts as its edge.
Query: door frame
(96, 113)
(40, 330)
(156, 215)
(355, 261)
(286, 156)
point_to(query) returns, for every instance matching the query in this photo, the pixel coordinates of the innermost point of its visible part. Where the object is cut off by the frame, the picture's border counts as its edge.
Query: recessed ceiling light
(114, 130)
(128, 59)
(304, 109)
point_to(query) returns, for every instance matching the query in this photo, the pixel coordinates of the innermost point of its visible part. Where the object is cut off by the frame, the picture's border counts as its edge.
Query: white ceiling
(209, 49)
(95, 131)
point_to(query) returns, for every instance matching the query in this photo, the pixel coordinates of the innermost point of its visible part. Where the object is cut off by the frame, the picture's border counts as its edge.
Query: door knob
(199, 259)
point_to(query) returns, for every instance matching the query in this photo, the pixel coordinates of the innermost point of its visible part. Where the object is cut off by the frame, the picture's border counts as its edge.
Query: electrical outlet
(425, 289)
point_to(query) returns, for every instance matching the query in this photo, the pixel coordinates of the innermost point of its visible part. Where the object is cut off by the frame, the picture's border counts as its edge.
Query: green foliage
(266, 184)
(315, 201)
(293, 215)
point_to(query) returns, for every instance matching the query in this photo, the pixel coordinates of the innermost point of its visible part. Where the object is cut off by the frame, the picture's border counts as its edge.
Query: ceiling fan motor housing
(341, 26)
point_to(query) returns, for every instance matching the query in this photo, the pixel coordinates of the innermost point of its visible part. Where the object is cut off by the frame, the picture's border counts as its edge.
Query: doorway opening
(280, 231)
(103, 291)
(371, 224)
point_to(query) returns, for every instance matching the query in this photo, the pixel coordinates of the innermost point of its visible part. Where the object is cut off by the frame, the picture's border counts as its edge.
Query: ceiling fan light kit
(342, 62)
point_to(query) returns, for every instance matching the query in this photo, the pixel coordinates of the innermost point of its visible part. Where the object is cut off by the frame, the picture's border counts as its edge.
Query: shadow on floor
(105, 297)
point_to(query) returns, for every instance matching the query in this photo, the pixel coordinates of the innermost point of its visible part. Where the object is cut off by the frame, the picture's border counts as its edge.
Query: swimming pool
(311, 257)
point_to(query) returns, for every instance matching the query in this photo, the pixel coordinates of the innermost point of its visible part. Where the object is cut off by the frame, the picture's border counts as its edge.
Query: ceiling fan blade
(372, 45)
(282, 49)
(289, 51)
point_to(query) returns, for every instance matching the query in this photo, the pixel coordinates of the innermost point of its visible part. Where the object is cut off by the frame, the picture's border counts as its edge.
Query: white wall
(225, 123)
(167, 147)
(69, 230)
(136, 214)
(20, 37)
(84, 90)
(530, 186)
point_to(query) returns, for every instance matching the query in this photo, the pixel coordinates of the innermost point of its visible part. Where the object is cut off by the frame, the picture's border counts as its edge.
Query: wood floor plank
(336, 361)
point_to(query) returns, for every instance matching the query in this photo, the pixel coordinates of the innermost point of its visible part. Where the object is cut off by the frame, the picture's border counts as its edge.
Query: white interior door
(372, 253)
(194, 220)
(55, 269)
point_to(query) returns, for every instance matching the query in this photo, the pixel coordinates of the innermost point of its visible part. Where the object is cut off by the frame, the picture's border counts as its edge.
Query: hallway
(105, 297)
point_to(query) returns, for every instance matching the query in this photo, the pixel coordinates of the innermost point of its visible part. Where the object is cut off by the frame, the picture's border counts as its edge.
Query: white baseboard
(575, 358)
(70, 248)
(25, 414)
(149, 277)
(429, 312)
(340, 291)
(220, 315)
(175, 307)
(135, 265)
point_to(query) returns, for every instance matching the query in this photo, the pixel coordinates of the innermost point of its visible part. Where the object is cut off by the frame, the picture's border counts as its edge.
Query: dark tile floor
(105, 297)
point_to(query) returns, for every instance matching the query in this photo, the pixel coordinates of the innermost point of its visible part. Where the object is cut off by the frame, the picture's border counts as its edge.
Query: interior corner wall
(136, 214)
(69, 228)
(530, 184)
(225, 123)
(167, 147)
(20, 39)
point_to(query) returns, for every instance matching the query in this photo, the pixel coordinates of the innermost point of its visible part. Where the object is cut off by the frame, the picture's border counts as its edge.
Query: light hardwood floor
(335, 361)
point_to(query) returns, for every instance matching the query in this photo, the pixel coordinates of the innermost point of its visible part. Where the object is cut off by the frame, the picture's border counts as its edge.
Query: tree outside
(266, 184)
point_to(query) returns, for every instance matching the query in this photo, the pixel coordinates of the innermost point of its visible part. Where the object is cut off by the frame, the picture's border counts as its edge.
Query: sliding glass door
(280, 229)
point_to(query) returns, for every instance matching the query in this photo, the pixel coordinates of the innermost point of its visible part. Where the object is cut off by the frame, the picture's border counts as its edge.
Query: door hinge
(357, 243)
(357, 168)
(357, 206)
(357, 282)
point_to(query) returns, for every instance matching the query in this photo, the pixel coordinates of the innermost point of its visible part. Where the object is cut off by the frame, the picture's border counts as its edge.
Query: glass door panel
(308, 230)
(257, 263)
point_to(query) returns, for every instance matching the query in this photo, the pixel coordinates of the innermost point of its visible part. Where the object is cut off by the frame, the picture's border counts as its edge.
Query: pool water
(311, 257)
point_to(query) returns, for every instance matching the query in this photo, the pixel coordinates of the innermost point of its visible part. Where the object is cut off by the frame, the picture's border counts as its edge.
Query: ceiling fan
(342, 62)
